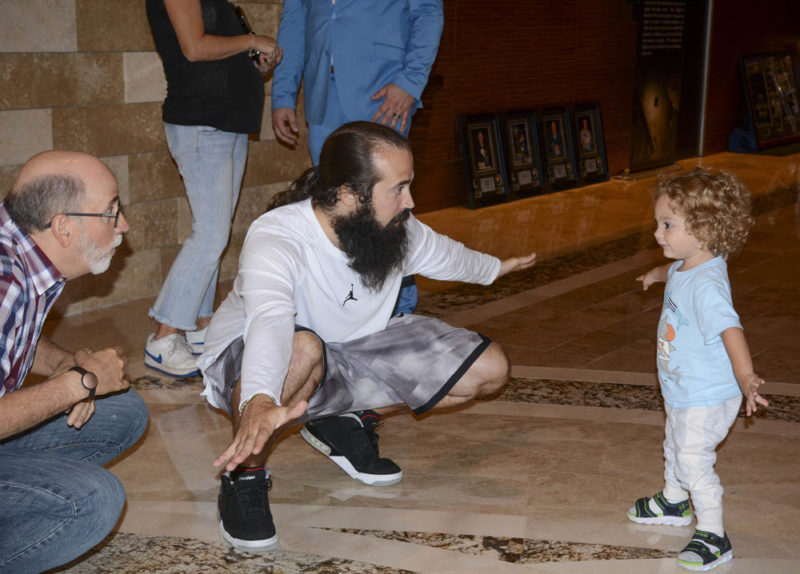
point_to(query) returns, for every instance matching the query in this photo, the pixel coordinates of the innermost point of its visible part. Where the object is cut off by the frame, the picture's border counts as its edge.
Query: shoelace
(370, 435)
(253, 498)
(371, 430)
(178, 342)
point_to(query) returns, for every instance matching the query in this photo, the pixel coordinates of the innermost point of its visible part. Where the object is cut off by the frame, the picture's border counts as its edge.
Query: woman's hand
(268, 61)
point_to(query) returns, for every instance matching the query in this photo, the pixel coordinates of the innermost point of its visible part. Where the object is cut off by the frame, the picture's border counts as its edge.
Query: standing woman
(215, 97)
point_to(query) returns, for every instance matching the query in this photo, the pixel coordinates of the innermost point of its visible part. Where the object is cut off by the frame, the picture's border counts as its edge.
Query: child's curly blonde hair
(715, 205)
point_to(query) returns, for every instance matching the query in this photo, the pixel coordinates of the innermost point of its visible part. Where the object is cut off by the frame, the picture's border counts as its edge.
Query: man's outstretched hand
(260, 419)
(516, 264)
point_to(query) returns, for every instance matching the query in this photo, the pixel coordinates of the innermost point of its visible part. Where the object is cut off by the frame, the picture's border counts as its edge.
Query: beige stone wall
(83, 75)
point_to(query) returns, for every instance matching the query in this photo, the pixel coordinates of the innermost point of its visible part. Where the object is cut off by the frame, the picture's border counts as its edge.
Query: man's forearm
(25, 408)
(50, 359)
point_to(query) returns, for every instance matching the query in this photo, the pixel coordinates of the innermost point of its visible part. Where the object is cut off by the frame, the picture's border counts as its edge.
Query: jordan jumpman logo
(350, 296)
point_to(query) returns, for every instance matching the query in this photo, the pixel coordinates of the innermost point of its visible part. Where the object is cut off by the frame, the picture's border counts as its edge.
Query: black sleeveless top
(225, 94)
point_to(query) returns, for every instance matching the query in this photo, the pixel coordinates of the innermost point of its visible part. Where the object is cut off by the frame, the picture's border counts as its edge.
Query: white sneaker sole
(344, 464)
(177, 373)
(662, 520)
(249, 545)
(706, 567)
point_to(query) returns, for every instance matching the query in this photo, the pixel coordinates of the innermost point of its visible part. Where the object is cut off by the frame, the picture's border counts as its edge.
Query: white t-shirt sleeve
(268, 272)
(437, 256)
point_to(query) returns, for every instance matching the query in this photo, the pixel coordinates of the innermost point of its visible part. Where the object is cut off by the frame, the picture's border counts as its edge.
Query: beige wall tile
(132, 275)
(229, 265)
(271, 162)
(252, 204)
(154, 176)
(50, 80)
(266, 133)
(184, 219)
(119, 165)
(168, 255)
(109, 130)
(144, 77)
(37, 26)
(113, 25)
(153, 224)
(23, 134)
(264, 17)
(8, 175)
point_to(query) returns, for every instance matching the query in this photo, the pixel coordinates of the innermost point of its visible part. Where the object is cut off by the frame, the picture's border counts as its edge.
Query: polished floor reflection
(538, 479)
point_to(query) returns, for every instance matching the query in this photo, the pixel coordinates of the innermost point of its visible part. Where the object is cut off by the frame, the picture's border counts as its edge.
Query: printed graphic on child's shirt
(666, 336)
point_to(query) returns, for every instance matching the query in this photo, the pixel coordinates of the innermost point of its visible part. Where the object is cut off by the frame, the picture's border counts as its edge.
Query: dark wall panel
(506, 54)
(521, 54)
(743, 27)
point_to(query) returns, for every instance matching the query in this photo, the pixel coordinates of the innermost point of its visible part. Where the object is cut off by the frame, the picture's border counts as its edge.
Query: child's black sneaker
(657, 510)
(351, 442)
(245, 519)
(705, 551)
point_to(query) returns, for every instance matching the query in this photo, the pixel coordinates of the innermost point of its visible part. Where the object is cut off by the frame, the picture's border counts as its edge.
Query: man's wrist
(89, 380)
(250, 398)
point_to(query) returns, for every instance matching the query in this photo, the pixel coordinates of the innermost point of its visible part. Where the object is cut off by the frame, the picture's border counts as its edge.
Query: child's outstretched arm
(654, 276)
(742, 362)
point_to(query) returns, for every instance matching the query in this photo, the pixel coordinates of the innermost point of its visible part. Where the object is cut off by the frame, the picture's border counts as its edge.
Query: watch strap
(83, 372)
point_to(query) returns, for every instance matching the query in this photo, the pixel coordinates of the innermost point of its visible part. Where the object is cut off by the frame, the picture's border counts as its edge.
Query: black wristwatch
(84, 374)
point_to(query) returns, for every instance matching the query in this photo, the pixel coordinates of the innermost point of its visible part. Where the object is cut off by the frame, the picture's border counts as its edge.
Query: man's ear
(347, 196)
(61, 228)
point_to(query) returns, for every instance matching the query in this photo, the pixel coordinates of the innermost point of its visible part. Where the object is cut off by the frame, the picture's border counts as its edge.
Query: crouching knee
(495, 369)
(99, 508)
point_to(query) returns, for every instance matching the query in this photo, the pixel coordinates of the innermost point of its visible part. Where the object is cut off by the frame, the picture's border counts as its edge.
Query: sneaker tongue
(369, 419)
(248, 475)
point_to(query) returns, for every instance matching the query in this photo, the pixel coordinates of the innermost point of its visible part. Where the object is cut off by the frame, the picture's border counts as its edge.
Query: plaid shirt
(29, 285)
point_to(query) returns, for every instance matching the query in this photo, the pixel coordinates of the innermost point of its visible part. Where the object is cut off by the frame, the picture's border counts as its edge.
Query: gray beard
(98, 261)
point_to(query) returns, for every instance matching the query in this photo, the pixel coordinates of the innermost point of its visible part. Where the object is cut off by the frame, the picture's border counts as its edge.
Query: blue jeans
(56, 502)
(211, 163)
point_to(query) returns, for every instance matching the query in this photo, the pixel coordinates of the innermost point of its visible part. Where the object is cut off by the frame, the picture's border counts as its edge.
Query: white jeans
(692, 435)
(211, 163)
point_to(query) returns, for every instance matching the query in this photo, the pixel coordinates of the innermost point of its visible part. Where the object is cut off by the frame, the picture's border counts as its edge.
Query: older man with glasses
(61, 220)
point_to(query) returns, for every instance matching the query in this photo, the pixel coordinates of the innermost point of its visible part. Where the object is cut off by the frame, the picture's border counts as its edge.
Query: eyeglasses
(114, 215)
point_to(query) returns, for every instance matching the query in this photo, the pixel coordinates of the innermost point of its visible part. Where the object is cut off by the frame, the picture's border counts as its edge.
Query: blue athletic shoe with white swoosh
(170, 355)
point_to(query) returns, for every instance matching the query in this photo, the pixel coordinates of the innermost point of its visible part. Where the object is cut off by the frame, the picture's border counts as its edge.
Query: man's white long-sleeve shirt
(291, 274)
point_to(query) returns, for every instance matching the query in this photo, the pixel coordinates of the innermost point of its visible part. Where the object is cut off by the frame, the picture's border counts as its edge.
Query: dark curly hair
(715, 205)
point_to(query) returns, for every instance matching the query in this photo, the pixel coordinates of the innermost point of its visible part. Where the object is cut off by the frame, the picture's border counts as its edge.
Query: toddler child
(704, 364)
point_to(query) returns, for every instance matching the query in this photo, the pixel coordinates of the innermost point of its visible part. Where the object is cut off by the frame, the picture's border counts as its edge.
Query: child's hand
(655, 275)
(749, 385)
(647, 279)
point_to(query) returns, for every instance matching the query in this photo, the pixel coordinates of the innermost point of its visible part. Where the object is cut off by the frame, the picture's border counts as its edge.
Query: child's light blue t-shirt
(693, 366)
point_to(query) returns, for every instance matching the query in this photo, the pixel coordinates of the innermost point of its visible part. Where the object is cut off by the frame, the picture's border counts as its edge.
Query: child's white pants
(692, 435)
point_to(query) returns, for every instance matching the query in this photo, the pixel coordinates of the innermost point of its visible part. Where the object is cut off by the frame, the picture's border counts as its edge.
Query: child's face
(675, 239)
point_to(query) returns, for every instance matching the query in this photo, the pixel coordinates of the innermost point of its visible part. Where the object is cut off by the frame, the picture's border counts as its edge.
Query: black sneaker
(245, 519)
(351, 442)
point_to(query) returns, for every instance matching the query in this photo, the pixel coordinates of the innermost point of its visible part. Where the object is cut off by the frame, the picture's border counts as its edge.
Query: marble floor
(535, 480)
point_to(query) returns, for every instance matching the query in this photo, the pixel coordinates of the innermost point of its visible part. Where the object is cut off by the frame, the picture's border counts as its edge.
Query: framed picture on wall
(591, 147)
(483, 159)
(558, 148)
(523, 158)
(772, 99)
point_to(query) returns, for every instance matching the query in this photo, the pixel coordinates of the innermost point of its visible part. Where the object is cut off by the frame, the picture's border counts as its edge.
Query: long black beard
(374, 251)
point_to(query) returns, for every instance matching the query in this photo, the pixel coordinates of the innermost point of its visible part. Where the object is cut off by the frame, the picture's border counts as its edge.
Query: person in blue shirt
(704, 364)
